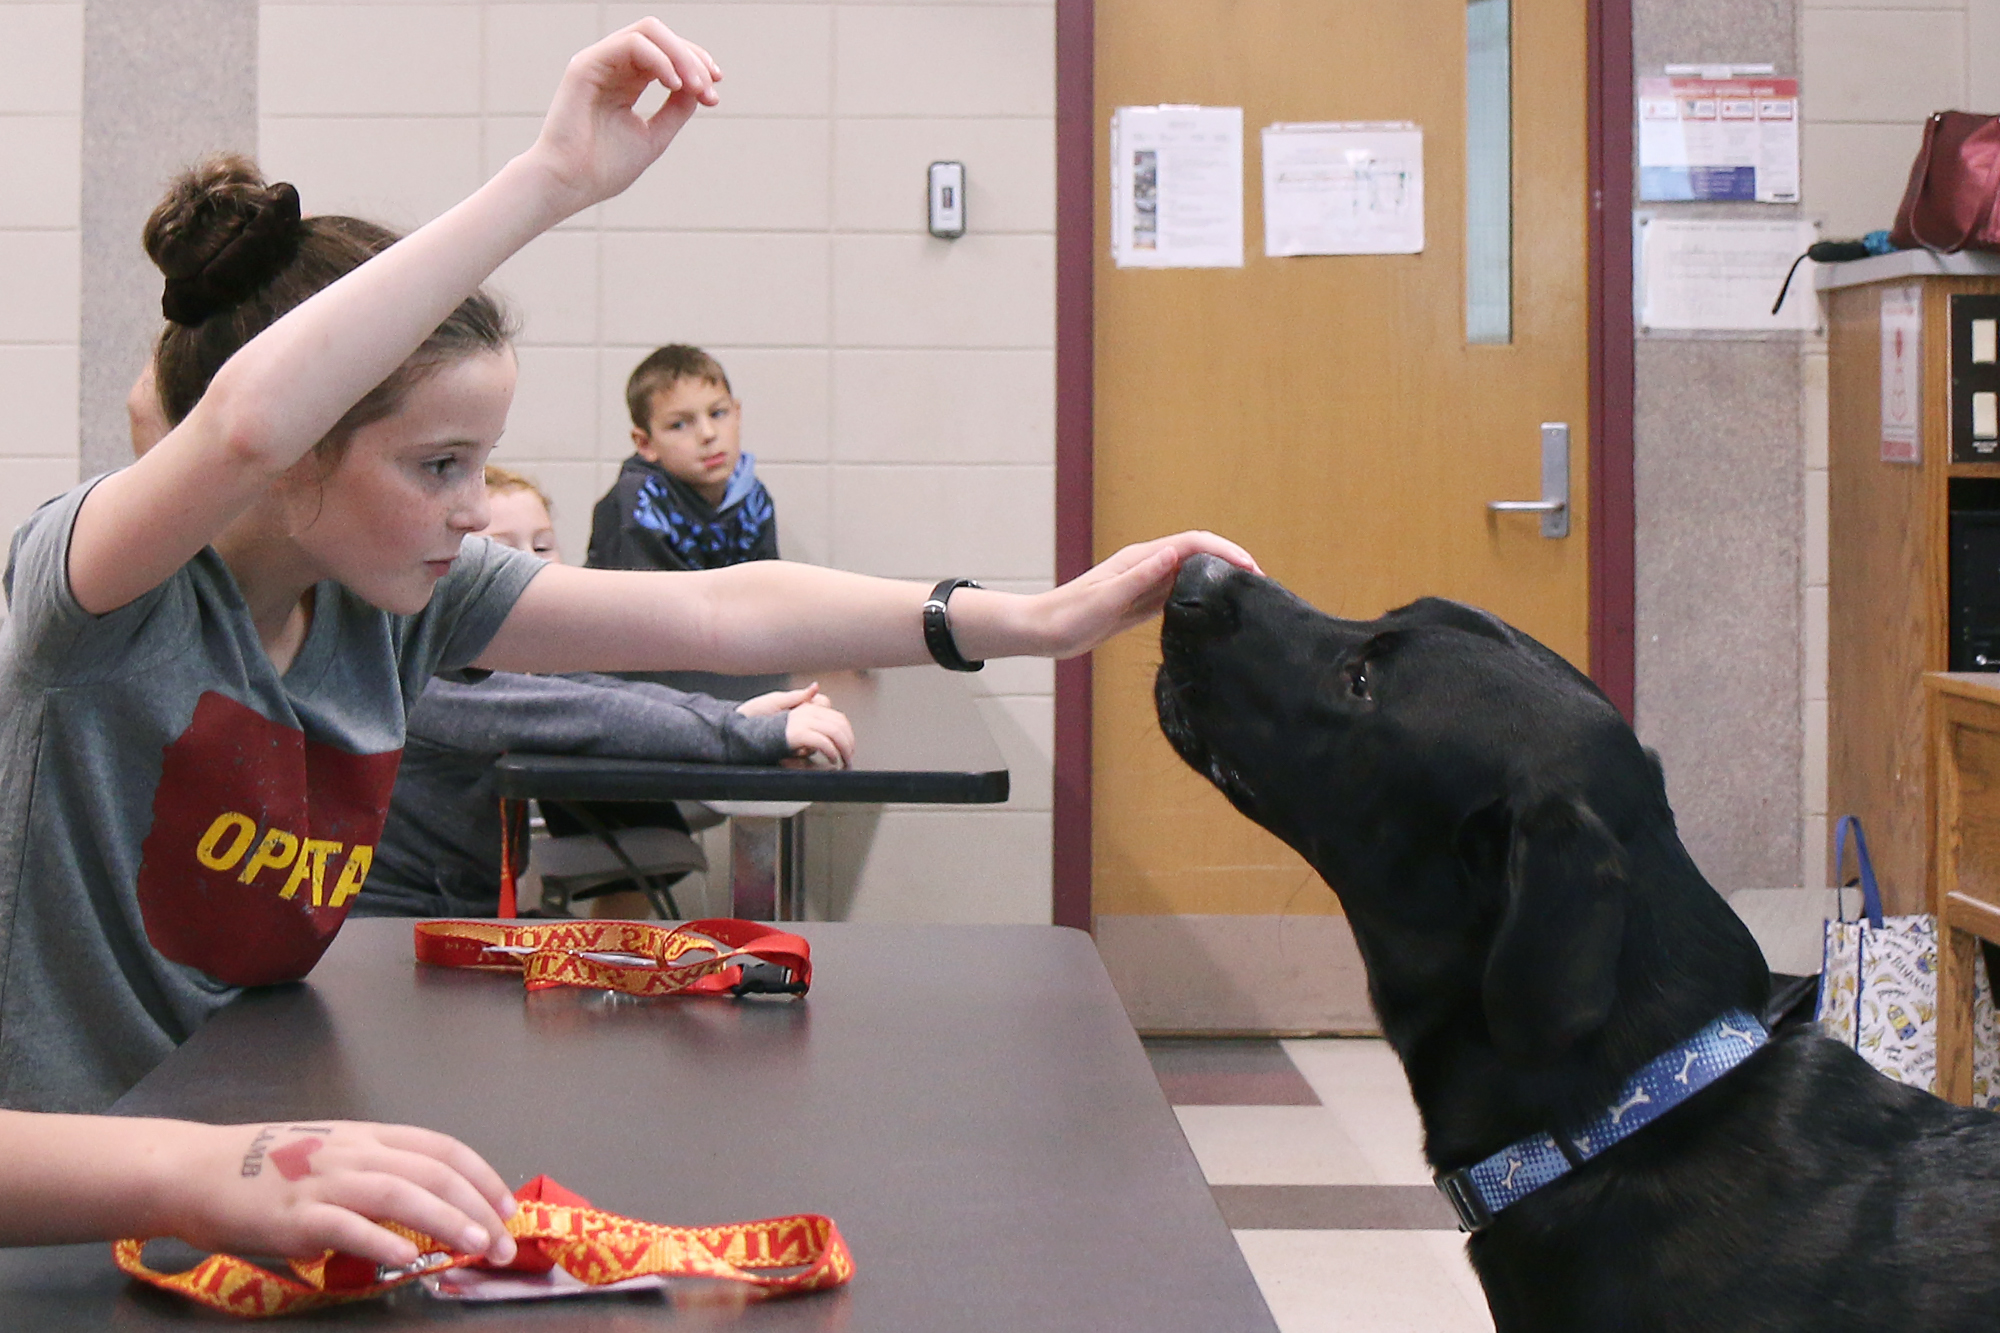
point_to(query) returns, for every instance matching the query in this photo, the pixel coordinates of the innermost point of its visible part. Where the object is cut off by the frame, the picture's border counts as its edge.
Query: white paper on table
(1724, 274)
(1177, 187)
(1344, 188)
(480, 1285)
(1902, 378)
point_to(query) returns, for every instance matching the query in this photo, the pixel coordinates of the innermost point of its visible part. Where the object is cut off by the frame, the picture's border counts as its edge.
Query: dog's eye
(1357, 681)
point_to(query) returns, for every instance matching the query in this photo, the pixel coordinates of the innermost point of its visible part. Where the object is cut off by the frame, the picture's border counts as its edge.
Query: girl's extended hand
(814, 729)
(593, 142)
(296, 1189)
(1126, 590)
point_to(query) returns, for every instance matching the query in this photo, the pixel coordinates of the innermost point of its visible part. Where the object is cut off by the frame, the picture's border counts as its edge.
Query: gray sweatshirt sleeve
(592, 715)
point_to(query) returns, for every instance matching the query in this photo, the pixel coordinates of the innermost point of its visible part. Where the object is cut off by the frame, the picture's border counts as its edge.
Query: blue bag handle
(1871, 896)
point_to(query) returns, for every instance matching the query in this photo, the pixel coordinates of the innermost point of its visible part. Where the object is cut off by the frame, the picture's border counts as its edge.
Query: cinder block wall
(41, 119)
(898, 390)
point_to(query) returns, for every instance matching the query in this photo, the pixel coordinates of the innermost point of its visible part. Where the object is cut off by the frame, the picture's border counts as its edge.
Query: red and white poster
(1902, 378)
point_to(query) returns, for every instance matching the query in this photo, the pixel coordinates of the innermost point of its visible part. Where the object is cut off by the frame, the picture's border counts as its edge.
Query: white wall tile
(1813, 405)
(918, 291)
(722, 174)
(784, 395)
(1015, 675)
(527, 48)
(1813, 841)
(1882, 66)
(946, 865)
(944, 60)
(400, 172)
(1953, 5)
(881, 173)
(777, 60)
(1024, 725)
(1852, 176)
(551, 285)
(1814, 649)
(1814, 555)
(39, 275)
(1815, 757)
(41, 170)
(923, 522)
(38, 384)
(1982, 47)
(41, 58)
(944, 407)
(555, 404)
(800, 494)
(368, 60)
(712, 287)
(26, 482)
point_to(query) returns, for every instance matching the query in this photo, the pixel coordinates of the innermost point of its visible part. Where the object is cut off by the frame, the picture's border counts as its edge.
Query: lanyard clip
(761, 978)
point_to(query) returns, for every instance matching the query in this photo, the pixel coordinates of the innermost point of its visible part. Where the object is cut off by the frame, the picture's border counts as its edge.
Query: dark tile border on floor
(1334, 1208)
(1228, 1071)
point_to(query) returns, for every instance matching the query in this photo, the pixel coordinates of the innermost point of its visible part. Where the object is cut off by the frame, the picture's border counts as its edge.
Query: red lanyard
(553, 1227)
(719, 956)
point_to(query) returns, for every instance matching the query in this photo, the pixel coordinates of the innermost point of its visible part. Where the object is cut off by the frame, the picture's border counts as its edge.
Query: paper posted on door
(1344, 188)
(1177, 187)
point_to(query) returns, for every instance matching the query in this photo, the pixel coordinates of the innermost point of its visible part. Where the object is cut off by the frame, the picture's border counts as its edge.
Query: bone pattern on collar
(1479, 1192)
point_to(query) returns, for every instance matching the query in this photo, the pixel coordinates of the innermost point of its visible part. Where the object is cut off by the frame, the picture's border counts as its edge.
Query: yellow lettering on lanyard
(312, 861)
(228, 822)
(275, 852)
(353, 874)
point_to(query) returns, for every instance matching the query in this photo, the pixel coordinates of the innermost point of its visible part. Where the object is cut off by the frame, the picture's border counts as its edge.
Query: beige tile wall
(898, 390)
(1872, 71)
(41, 103)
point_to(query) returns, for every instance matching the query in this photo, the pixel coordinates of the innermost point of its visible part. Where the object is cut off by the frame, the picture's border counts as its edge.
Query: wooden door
(1329, 412)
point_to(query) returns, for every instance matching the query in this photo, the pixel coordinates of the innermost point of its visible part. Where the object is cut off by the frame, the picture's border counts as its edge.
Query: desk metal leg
(767, 866)
(508, 905)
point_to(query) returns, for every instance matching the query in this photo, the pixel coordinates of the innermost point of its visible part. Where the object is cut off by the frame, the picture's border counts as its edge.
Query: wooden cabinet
(1889, 616)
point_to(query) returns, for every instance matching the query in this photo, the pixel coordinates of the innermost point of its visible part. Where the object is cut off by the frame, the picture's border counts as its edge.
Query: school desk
(968, 1103)
(918, 737)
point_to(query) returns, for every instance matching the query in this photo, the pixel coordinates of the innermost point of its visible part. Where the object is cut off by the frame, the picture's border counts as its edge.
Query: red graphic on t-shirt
(260, 840)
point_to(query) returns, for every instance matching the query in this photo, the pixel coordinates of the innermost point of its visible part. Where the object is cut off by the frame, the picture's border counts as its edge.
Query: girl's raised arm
(773, 616)
(289, 386)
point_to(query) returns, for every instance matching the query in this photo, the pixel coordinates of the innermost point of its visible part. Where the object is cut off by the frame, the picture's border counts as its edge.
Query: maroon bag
(1954, 186)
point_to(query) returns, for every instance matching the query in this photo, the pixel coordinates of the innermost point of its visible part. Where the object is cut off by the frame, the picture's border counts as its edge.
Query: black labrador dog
(1534, 932)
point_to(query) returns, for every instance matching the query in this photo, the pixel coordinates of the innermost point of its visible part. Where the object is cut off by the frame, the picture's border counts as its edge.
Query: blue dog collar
(1479, 1192)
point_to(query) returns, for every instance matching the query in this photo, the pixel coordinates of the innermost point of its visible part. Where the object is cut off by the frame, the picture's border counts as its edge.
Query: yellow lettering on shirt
(228, 822)
(275, 852)
(353, 873)
(312, 862)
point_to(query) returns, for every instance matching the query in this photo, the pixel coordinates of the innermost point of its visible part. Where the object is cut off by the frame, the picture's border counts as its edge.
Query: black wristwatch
(937, 627)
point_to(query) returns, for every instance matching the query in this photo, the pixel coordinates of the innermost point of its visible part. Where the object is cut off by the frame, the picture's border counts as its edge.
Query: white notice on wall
(1707, 274)
(1344, 188)
(1902, 381)
(1177, 187)
(1719, 138)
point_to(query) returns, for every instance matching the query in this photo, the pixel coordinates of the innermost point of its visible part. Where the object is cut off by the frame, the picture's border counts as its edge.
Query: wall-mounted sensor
(948, 199)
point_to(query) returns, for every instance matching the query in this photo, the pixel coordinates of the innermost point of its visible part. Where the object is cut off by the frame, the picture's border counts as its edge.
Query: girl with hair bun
(210, 652)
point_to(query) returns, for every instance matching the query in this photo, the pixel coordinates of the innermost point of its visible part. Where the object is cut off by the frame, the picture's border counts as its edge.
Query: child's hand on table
(816, 731)
(298, 1188)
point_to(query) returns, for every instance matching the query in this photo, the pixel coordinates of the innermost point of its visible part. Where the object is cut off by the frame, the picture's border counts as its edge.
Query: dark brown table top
(969, 1103)
(918, 736)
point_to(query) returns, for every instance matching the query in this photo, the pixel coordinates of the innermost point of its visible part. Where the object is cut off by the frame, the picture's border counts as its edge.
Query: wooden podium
(1889, 575)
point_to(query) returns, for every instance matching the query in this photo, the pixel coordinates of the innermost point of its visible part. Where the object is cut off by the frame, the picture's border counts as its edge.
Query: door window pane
(1489, 172)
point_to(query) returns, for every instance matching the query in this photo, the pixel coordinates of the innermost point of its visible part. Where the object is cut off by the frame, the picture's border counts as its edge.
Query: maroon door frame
(1611, 514)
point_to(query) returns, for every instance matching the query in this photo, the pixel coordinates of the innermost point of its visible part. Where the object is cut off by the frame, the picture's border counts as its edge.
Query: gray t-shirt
(176, 819)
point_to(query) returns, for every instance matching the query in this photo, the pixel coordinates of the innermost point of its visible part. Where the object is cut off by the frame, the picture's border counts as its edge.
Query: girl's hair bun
(220, 235)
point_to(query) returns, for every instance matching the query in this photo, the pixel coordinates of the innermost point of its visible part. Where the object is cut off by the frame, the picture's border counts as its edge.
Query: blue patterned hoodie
(650, 520)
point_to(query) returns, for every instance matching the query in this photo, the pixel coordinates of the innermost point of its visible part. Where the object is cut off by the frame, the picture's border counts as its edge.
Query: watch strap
(937, 627)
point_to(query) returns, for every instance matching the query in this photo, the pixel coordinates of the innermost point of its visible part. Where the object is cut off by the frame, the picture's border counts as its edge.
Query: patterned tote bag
(1878, 987)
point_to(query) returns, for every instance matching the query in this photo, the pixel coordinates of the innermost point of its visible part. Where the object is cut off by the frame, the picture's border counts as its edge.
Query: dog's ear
(1551, 974)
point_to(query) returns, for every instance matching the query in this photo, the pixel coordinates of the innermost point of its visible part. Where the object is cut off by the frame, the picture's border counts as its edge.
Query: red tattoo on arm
(294, 1160)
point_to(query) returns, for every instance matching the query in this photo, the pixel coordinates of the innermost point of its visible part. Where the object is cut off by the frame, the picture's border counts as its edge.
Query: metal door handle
(1554, 504)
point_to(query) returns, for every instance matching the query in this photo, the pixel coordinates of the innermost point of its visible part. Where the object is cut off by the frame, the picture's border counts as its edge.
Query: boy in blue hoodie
(689, 497)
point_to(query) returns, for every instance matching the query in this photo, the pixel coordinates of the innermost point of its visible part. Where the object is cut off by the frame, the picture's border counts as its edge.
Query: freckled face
(389, 519)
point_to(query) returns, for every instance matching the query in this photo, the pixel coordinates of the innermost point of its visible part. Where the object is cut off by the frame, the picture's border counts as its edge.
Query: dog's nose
(1200, 604)
(1200, 581)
